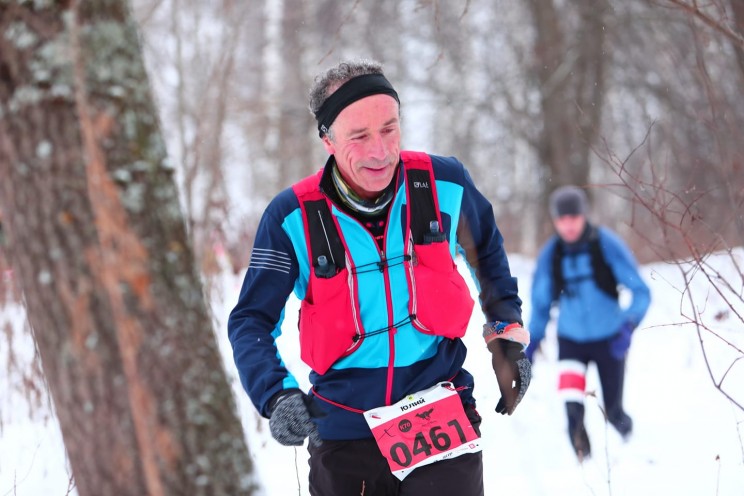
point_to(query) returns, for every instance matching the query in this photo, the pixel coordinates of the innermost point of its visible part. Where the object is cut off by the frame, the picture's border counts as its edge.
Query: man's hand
(292, 419)
(513, 373)
(621, 342)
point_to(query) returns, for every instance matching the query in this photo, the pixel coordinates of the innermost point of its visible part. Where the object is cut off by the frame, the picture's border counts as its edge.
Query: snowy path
(686, 440)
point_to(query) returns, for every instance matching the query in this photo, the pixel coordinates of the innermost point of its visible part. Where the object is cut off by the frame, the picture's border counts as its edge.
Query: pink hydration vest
(439, 299)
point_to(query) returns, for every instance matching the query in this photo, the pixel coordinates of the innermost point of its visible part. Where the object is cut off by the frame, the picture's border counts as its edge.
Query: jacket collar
(326, 180)
(583, 241)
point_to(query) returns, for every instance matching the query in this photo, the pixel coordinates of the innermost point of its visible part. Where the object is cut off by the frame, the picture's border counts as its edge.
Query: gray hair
(329, 81)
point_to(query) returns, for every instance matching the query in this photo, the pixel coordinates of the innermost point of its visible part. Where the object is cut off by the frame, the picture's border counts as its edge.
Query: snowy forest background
(529, 95)
(640, 101)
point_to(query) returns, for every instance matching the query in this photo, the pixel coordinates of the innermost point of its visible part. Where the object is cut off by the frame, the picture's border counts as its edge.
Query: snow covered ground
(688, 439)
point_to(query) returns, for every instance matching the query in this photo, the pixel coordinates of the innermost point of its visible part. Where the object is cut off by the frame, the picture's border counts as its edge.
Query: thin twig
(297, 473)
(716, 24)
(698, 328)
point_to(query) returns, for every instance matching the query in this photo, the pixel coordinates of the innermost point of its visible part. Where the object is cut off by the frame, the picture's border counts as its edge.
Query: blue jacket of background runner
(586, 313)
(385, 367)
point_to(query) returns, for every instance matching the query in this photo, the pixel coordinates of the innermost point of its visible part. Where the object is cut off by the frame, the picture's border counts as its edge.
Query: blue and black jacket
(387, 366)
(586, 312)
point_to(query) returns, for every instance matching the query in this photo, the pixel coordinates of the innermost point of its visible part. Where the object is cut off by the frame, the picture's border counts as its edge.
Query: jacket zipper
(388, 298)
(392, 331)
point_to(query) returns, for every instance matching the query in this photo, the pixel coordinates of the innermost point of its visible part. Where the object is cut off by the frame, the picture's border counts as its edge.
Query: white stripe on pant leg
(571, 380)
(571, 366)
(575, 395)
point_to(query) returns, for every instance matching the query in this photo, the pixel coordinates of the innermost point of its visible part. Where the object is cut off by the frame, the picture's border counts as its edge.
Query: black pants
(351, 468)
(611, 376)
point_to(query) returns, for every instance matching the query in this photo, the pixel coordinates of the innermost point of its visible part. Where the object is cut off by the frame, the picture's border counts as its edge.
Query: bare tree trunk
(455, 53)
(98, 242)
(295, 124)
(570, 73)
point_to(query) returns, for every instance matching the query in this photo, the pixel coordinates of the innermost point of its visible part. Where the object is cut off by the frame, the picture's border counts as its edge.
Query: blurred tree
(676, 96)
(293, 149)
(198, 104)
(737, 7)
(526, 94)
(684, 178)
(97, 241)
(569, 64)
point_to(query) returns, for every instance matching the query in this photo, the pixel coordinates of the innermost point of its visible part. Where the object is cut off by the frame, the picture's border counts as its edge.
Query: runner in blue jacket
(579, 270)
(367, 245)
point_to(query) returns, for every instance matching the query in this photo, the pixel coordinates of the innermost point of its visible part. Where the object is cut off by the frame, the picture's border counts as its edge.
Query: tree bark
(569, 71)
(97, 240)
(737, 8)
(295, 145)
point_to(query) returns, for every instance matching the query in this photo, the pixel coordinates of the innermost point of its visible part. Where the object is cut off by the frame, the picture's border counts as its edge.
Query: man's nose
(376, 148)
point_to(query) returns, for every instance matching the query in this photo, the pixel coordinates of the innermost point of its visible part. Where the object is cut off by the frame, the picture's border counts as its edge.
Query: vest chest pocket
(329, 321)
(440, 299)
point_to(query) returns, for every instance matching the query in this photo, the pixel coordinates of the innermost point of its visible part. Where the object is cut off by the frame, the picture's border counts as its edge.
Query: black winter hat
(568, 200)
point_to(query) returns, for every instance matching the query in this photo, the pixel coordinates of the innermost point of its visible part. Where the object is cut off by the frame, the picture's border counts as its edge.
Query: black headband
(352, 90)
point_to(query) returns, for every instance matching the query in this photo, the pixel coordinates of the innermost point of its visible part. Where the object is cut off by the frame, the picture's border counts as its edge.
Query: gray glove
(513, 373)
(291, 418)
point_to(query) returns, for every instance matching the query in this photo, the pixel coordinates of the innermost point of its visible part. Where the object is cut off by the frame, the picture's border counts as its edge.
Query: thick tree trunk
(97, 239)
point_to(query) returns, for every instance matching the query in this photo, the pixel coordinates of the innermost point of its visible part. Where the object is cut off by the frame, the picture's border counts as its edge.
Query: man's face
(570, 227)
(366, 144)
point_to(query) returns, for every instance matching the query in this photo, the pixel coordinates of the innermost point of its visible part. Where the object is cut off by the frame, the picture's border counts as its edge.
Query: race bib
(423, 428)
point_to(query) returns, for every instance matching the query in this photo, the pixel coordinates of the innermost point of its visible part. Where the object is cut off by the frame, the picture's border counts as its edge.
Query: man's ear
(328, 145)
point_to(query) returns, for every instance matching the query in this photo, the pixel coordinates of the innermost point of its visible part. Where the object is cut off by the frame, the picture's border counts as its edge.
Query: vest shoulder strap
(602, 273)
(308, 188)
(559, 283)
(321, 232)
(423, 205)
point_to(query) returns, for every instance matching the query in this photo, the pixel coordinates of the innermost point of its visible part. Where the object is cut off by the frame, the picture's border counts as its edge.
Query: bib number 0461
(422, 428)
(438, 439)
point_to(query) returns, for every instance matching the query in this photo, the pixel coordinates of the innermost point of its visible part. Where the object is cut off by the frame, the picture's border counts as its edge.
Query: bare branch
(695, 11)
(705, 356)
(337, 35)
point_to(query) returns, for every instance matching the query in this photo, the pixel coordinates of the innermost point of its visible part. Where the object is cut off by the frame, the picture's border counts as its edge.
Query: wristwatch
(491, 330)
